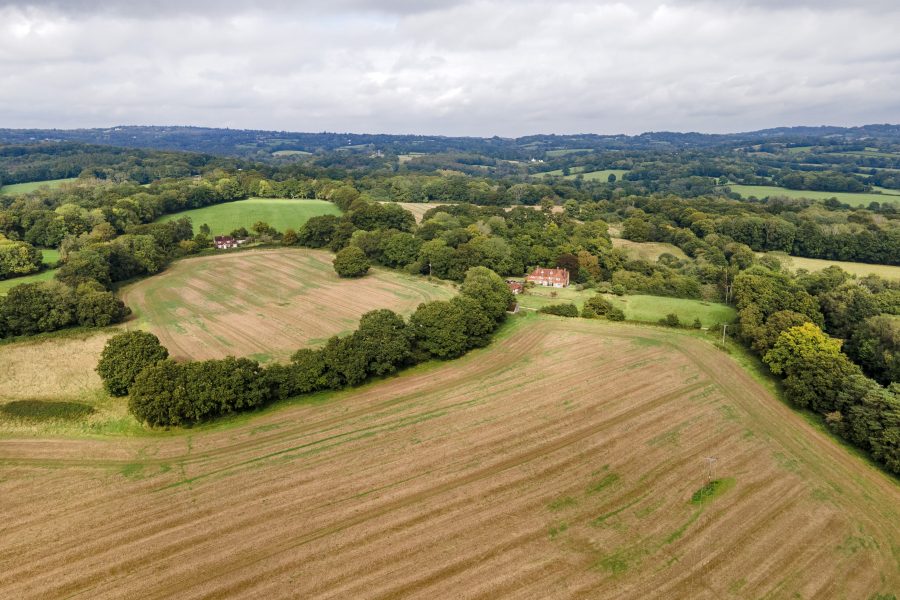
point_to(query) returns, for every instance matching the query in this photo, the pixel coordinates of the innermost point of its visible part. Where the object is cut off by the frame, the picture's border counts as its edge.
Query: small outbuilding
(516, 287)
(558, 278)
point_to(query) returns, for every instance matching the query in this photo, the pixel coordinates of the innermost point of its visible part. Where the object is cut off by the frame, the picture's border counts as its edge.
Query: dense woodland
(834, 338)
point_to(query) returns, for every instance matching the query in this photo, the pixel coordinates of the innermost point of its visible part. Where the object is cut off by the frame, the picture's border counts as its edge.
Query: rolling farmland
(817, 264)
(15, 189)
(648, 250)
(566, 460)
(853, 199)
(280, 213)
(8, 284)
(264, 304)
(637, 307)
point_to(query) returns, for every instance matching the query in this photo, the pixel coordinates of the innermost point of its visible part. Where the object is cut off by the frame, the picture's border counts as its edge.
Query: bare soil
(558, 463)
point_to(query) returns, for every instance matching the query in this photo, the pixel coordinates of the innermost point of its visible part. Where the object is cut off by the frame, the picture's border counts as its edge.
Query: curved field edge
(280, 213)
(264, 304)
(560, 461)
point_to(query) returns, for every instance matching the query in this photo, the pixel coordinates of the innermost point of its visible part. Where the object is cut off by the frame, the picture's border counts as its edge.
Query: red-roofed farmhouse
(549, 277)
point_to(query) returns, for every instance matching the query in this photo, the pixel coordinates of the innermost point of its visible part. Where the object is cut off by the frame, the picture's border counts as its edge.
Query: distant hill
(261, 145)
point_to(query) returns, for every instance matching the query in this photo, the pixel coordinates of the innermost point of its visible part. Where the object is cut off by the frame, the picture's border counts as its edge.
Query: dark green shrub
(560, 310)
(670, 320)
(616, 314)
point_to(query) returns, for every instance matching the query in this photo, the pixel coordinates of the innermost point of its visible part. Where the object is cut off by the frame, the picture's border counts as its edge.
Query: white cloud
(477, 67)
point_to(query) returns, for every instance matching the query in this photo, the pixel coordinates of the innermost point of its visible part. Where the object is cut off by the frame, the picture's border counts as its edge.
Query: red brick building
(549, 277)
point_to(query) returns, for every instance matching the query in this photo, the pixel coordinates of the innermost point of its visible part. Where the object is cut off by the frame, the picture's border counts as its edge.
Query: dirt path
(557, 463)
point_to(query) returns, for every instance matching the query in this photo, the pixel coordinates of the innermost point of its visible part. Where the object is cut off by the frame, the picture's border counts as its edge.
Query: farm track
(556, 463)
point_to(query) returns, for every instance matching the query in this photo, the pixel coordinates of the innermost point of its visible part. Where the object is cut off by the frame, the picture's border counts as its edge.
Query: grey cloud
(474, 67)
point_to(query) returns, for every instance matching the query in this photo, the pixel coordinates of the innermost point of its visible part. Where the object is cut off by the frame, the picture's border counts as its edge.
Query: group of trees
(165, 393)
(794, 227)
(18, 258)
(34, 308)
(786, 318)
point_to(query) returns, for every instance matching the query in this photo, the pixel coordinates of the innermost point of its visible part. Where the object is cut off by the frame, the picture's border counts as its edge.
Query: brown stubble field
(557, 463)
(264, 303)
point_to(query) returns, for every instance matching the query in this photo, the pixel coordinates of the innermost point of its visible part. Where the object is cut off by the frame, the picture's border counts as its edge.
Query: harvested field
(264, 303)
(55, 368)
(560, 462)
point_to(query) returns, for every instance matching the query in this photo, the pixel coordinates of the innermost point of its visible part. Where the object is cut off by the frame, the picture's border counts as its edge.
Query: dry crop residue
(52, 368)
(559, 462)
(265, 303)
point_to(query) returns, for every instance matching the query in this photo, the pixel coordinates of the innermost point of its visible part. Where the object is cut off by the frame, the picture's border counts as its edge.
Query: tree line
(163, 392)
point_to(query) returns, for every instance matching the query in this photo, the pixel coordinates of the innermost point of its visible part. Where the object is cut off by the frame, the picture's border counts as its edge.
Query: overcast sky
(454, 67)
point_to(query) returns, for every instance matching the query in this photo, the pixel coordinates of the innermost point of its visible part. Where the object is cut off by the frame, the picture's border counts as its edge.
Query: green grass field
(587, 175)
(281, 153)
(50, 256)
(568, 151)
(648, 309)
(7, 284)
(24, 188)
(815, 264)
(763, 191)
(648, 250)
(280, 213)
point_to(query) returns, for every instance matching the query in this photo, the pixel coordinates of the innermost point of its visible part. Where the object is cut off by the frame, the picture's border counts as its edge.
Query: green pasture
(816, 264)
(853, 199)
(24, 188)
(564, 152)
(50, 255)
(280, 213)
(586, 175)
(7, 284)
(648, 309)
(281, 153)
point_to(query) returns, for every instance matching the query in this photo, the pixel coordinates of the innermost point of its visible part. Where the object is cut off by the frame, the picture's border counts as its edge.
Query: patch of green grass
(558, 529)
(650, 309)
(282, 153)
(280, 213)
(50, 256)
(40, 410)
(25, 188)
(561, 503)
(132, 470)
(565, 151)
(650, 251)
(574, 172)
(647, 309)
(8, 284)
(712, 490)
(853, 199)
(793, 263)
(603, 483)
